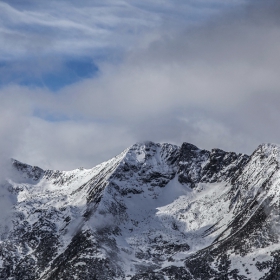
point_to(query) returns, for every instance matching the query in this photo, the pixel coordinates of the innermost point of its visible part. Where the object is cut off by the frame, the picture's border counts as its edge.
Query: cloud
(39, 39)
(14, 112)
(214, 85)
(70, 144)
(87, 27)
(221, 74)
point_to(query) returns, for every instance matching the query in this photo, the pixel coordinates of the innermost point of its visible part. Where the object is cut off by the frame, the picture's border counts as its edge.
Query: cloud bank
(213, 83)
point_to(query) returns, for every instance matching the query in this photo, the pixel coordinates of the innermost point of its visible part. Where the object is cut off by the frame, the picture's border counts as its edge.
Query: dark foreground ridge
(156, 211)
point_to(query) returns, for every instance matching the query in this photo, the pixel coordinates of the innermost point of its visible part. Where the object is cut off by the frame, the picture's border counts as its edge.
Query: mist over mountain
(156, 211)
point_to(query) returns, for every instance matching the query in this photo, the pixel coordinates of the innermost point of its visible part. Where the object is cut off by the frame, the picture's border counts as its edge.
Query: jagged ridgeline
(156, 211)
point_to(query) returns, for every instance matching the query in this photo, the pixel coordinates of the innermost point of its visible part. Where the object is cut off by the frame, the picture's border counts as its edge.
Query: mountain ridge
(156, 211)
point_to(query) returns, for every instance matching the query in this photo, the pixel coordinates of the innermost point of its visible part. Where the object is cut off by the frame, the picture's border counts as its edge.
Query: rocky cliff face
(156, 211)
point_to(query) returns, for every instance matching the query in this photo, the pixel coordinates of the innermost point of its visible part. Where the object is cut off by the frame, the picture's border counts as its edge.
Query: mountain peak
(27, 171)
(156, 211)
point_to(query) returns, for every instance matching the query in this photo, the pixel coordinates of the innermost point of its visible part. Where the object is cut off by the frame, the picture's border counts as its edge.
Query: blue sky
(82, 80)
(69, 71)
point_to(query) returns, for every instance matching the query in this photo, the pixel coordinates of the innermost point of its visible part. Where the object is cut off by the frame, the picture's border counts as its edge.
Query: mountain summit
(156, 211)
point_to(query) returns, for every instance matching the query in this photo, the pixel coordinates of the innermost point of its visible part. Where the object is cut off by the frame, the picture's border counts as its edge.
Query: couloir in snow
(156, 211)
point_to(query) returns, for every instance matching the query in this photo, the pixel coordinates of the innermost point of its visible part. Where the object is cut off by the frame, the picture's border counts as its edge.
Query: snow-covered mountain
(156, 211)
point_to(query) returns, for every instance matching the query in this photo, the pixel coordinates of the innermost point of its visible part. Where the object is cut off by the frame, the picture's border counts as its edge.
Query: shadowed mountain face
(156, 211)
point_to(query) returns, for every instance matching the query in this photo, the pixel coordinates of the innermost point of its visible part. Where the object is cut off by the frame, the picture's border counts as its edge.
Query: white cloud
(71, 144)
(214, 85)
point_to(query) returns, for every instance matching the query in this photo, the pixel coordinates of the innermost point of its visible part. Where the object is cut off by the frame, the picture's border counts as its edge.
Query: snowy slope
(156, 211)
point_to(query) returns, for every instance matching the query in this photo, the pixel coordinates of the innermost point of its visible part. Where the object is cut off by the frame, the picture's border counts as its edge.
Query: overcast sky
(82, 80)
